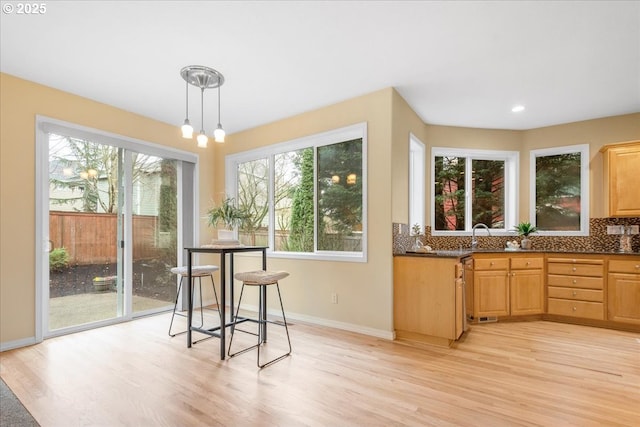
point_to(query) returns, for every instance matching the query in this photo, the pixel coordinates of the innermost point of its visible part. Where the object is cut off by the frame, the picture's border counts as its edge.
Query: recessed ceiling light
(518, 108)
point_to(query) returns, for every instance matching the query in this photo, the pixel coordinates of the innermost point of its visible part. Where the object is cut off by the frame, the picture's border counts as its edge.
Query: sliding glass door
(154, 231)
(85, 226)
(114, 223)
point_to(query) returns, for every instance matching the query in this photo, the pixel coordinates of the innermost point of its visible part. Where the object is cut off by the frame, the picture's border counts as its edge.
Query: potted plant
(228, 214)
(416, 233)
(524, 229)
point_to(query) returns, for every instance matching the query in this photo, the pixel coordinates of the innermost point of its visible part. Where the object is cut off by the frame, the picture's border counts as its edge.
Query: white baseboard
(378, 333)
(10, 345)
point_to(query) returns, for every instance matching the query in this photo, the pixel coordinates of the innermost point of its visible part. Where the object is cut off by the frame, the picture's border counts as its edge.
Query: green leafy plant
(227, 213)
(525, 228)
(58, 259)
(416, 230)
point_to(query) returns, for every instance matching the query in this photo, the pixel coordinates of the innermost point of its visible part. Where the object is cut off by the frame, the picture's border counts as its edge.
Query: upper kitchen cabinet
(621, 171)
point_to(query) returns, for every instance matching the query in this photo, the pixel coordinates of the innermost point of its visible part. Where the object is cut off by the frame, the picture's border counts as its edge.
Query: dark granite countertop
(462, 253)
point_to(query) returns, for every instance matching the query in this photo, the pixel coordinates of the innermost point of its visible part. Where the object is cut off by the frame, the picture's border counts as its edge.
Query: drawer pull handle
(575, 281)
(528, 262)
(573, 260)
(637, 266)
(575, 308)
(574, 293)
(574, 269)
(491, 263)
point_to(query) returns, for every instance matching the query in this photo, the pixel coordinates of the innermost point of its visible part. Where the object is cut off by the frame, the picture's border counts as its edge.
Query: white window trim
(583, 149)
(417, 181)
(334, 136)
(512, 166)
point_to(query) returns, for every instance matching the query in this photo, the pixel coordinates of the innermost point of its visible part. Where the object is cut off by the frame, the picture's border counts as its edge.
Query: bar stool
(262, 279)
(196, 272)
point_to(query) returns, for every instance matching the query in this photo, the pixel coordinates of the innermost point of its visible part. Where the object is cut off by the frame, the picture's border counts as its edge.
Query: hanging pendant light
(219, 133)
(187, 129)
(202, 138)
(204, 78)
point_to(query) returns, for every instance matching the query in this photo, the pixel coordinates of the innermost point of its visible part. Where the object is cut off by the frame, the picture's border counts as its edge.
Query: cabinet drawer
(624, 266)
(595, 261)
(584, 309)
(575, 281)
(576, 294)
(525, 263)
(491, 264)
(575, 269)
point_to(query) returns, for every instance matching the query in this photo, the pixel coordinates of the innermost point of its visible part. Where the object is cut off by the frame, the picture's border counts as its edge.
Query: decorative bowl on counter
(513, 245)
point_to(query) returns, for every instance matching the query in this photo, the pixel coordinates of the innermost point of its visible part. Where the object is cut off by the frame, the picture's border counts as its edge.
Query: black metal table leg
(189, 298)
(223, 295)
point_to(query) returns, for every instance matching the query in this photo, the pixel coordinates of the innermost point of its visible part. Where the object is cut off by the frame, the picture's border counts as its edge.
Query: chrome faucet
(474, 241)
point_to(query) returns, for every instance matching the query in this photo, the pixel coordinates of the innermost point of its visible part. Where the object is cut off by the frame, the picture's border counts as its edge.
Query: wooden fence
(91, 238)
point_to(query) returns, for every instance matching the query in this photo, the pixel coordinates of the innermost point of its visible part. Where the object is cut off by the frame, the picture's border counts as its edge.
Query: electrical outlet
(614, 229)
(334, 298)
(635, 229)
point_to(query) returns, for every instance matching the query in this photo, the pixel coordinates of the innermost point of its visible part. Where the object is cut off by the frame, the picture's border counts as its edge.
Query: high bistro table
(219, 331)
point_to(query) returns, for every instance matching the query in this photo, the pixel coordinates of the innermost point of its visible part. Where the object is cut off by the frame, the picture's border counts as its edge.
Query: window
(417, 181)
(305, 198)
(472, 187)
(560, 190)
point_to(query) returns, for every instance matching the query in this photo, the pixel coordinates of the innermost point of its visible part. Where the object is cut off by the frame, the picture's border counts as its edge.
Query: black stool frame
(262, 324)
(175, 304)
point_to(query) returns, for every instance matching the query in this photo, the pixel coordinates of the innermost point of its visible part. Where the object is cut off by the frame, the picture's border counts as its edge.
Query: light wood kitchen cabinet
(576, 287)
(508, 285)
(428, 300)
(491, 293)
(621, 189)
(526, 288)
(624, 290)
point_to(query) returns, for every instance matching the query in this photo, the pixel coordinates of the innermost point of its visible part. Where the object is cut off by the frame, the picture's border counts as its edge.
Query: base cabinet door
(491, 293)
(460, 314)
(624, 298)
(527, 292)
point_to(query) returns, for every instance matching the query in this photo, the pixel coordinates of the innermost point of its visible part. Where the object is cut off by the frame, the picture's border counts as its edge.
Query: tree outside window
(559, 192)
(317, 203)
(473, 187)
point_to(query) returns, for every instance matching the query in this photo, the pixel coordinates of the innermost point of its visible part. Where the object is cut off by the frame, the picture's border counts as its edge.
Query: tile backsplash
(597, 241)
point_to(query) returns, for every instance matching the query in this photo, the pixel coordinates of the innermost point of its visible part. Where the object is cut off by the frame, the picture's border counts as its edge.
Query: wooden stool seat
(196, 270)
(261, 277)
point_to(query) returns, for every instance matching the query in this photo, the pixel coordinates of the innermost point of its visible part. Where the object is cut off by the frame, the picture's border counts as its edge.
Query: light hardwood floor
(501, 374)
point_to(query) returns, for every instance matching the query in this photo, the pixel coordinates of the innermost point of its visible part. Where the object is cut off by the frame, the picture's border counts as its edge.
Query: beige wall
(596, 133)
(404, 122)
(20, 102)
(364, 289)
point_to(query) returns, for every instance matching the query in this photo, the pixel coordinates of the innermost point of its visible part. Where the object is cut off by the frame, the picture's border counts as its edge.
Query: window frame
(417, 181)
(583, 149)
(347, 133)
(511, 171)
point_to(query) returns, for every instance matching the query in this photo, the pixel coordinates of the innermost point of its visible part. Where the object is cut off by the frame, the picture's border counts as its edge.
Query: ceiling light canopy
(517, 108)
(203, 78)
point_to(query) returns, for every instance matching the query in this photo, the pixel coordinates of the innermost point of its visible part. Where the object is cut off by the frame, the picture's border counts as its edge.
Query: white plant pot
(226, 235)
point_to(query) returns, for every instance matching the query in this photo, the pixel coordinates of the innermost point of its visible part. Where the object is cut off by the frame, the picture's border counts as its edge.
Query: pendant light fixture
(219, 133)
(202, 138)
(187, 129)
(204, 78)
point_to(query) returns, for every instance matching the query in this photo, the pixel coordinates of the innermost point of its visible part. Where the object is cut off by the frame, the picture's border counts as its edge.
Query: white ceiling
(455, 63)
